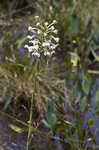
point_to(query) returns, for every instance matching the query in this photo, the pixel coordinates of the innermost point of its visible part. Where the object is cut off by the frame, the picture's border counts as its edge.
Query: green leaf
(83, 104)
(50, 115)
(73, 93)
(95, 55)
(49, 106)
(87, 27)
(85, 84)
(46, 123)
(20, 42)
(97, 99)
(51, 119)
(16, 128)
(74, 27)
(8, 101)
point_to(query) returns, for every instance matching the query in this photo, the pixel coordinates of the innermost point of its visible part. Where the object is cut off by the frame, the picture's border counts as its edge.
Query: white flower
(36, 54)
(52, 52)
(49, 41)
(54, 46)
(30, 28)
(26, 46)
(52, 28)
(55, 31)
(45, 34)
(36, 47)
(30, 48)
(39, 31)
(34, 42)
(55, 38)
(30, 37)
(54, 21)
(46, 53)
(37, 24)
(46, 23)
(42, 39)
(36, 17)
(44, 44)
(33, 30)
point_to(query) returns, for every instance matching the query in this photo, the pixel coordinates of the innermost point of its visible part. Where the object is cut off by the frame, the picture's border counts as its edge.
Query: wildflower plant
(42, 42)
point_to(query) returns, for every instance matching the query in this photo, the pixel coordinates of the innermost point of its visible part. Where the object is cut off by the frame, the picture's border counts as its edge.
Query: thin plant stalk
(31, 114)
(30, 123)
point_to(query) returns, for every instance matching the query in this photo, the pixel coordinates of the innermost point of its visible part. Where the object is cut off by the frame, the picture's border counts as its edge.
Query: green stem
(30, 123)
(31, 110)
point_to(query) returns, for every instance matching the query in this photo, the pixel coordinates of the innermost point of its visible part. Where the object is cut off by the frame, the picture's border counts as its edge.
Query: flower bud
(30, 28)
(46, 23)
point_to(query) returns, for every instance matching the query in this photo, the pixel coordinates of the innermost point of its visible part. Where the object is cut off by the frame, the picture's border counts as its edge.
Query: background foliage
(76, 56)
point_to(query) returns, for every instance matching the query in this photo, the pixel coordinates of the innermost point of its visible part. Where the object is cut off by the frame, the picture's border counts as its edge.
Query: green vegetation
(34, 88)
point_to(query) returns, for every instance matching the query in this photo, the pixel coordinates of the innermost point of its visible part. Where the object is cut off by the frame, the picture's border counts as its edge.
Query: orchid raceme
(43, 39)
